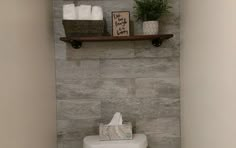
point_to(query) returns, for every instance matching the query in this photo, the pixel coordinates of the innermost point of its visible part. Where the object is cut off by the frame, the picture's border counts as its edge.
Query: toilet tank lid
(138, 139)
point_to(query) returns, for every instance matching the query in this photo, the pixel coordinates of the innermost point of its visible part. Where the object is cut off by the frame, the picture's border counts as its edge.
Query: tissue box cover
(115, 132)
(81, 28)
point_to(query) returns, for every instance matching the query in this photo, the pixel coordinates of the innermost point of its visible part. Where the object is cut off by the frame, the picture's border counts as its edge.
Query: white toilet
(138, 141)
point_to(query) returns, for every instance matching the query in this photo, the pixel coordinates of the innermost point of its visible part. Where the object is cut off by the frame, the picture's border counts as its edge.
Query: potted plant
(149, 12)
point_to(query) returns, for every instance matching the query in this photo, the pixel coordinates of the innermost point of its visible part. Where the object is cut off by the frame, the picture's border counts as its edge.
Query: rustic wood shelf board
(76, 42)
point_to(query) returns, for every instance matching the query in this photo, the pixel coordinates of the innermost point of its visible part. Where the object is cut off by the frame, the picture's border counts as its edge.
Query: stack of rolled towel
(82, 12)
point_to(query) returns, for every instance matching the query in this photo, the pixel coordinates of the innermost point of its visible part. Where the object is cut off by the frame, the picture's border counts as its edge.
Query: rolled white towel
(77, 12)
(97, 13)
(69, 12)
(84, 12)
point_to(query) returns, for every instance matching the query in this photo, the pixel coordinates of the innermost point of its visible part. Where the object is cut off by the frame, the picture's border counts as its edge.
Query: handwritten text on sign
(120, 21)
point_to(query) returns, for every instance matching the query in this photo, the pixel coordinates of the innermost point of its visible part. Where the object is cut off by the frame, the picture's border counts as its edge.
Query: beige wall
(27, 90)
(208, 74)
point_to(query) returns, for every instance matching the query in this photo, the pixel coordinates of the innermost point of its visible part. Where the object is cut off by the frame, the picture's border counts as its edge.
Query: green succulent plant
(150, 10)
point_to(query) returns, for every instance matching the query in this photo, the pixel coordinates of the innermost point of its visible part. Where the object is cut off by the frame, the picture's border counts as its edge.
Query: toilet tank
(138, 141)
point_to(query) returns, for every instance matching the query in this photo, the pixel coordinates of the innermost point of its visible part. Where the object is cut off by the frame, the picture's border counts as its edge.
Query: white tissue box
(115, 132)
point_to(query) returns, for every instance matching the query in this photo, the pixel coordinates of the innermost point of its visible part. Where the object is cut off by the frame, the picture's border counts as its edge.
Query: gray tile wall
(134, 78)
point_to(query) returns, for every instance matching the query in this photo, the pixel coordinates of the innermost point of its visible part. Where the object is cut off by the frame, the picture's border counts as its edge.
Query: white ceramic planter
(150, 27)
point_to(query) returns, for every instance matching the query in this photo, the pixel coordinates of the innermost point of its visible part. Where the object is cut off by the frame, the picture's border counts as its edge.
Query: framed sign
(121, 23)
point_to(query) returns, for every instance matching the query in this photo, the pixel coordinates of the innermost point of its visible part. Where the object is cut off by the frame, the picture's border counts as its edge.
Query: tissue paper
(116, 130)
(117, 119)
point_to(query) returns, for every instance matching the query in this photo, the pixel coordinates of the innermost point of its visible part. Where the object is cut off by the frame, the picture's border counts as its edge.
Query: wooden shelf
(76, 42)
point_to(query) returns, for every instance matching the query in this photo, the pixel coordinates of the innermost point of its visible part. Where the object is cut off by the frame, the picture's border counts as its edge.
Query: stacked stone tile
(134, 78)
